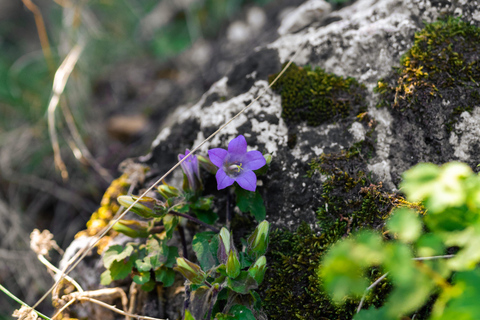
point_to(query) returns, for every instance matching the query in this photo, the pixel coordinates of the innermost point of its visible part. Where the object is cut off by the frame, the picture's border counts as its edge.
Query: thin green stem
(11, 295)
(186, 216)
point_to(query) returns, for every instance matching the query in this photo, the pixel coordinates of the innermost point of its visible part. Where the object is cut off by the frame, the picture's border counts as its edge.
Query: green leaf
(440, 188)
(406, 224)
(188, 316)
(116, 253)
(142, 278)
(372, 314)
(149, 286)
(165, 275)
(170, 222)
(412, 287)
(105, 278)
(417, 181)
(121, 269)
(172, 256)
(243, 283)
(252, 202)
(257, 301)
(430, 245)
(343, 267)
(464, 305)
(241, 312)
(205, 246)
(207, 216)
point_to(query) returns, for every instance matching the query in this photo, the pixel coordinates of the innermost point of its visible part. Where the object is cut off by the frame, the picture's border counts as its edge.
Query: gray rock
(364, 40)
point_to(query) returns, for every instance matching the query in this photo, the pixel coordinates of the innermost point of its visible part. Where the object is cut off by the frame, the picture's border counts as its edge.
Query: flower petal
(223, 180)
(247, 180)
(254, 160)
(217, 156)
(238, 145)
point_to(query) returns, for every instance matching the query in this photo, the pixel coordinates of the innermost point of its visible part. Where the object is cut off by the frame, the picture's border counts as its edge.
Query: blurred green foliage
(450, 194)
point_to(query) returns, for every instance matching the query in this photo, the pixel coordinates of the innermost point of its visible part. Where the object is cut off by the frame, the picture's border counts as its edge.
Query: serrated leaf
(105, 278)
(142, 278)
(165, 275)
(205, 246)
(248, 201)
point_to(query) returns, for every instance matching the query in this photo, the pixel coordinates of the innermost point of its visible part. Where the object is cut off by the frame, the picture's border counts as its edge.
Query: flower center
(234, 169)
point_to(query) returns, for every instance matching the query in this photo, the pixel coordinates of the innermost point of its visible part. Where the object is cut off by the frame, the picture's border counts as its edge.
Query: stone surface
(363, 40)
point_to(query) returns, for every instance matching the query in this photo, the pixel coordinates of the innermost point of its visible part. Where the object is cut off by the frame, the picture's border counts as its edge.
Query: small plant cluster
(431, 258)
(223, 281)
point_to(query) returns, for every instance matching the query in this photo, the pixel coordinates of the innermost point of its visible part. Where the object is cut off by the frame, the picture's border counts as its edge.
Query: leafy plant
(415, 258)
(224, 280)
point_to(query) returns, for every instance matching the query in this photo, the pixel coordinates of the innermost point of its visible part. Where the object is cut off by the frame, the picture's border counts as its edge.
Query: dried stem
(59, 83)
(81, 147)
(42, 33)
(54, 269)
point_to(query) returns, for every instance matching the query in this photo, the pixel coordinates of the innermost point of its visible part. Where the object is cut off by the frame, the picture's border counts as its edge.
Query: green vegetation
(318, 97)
(450, 195)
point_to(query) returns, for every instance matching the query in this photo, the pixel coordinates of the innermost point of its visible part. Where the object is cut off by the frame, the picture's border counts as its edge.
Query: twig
(368, 289)
(186, 216)
(104, 232)
(63, 308)
(59, 82)
(11, 295)
(106, 305)
(54, 269)
(82, 148)
(448, 256)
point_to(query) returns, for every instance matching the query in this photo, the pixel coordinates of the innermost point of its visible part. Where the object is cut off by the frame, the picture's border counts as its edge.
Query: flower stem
(186, 216)
(11, 295)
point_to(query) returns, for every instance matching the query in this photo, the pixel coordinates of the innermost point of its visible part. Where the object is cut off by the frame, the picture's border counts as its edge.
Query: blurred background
(130, 62)
(136, 61)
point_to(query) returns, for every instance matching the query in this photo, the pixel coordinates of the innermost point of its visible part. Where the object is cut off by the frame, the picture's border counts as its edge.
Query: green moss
(291, 289)
(442, 64)
(317, 97)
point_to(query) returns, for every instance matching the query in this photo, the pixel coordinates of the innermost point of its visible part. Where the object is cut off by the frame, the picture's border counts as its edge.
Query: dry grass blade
(59, 82)
(82, 148)
(42, 33)
(104, 232)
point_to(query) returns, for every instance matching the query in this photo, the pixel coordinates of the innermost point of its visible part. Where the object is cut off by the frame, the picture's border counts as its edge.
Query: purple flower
(191, 170)
(236, 164)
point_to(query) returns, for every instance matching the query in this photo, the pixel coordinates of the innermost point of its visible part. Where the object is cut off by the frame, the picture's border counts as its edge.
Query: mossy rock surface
(316, 96)
(438, 80)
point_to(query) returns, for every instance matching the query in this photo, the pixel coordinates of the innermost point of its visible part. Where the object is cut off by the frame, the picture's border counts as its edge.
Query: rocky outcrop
(380, 100)
(365, 41)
